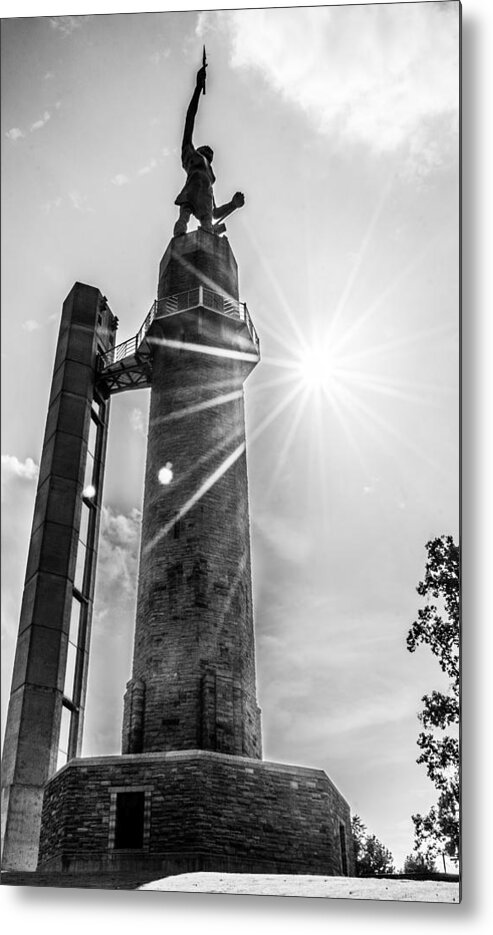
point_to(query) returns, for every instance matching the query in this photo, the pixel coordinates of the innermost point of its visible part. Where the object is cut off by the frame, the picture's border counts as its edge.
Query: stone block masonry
(200, 811)
(197, 259)
(193, 681)
(194, 644)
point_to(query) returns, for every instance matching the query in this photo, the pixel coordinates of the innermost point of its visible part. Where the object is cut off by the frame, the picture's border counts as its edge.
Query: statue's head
(206, 151)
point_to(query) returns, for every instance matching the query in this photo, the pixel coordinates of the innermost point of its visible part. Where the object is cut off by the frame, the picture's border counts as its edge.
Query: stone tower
(190, 790)
(193, 684)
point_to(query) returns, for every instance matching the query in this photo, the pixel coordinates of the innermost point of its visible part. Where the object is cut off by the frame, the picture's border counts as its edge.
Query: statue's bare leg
(182, 222)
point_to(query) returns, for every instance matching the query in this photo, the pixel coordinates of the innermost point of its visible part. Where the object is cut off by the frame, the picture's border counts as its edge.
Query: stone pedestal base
(186, 811)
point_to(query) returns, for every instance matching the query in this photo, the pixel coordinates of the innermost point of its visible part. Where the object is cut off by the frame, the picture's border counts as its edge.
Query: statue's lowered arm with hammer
(197, 196)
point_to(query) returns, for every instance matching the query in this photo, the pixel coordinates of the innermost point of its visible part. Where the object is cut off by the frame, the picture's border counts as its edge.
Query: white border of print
(45, 910)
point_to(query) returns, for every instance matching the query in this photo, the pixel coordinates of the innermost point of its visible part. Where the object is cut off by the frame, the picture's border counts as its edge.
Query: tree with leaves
(370, 856)
(418, 863)
(438, 627)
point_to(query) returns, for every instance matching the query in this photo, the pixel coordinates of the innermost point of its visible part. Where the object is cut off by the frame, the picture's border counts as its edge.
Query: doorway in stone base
(130, 813)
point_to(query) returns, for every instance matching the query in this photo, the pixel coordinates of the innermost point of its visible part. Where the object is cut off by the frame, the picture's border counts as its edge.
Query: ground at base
(252, 884)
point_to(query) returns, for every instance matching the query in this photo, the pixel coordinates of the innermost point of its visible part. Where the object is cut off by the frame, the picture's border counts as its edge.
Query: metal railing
(201, 296)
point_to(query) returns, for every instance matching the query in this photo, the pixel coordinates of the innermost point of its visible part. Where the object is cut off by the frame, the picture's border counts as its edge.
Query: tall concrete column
(193, 683)
(45, 716)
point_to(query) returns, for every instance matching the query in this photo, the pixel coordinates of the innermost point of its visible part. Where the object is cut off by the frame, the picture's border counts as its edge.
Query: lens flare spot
(89, 492)
(165, 474)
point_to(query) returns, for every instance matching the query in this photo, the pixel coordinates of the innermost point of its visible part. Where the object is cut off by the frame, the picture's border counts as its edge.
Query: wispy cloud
(66, 25)
(291, 543)
(152, 164)
(79, 201)
(137, 421)
(13, 468)
(113, 626)
(48, 206)
(120, 179)
(378, 75)
(118, 551)
(41, 122)
(14, 134)
(160, 56)
(31, 325)
(359, 715)
(18, 489)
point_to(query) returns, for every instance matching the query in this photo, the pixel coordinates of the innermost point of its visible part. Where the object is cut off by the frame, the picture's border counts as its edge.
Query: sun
(317, 368)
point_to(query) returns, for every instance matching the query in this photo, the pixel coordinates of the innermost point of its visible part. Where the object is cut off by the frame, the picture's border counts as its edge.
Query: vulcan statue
(197, 197)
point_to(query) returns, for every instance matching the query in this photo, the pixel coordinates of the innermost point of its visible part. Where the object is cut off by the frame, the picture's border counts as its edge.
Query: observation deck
(227, 325)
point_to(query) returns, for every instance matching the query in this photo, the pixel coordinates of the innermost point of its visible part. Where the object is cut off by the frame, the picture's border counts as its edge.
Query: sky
(340, 125)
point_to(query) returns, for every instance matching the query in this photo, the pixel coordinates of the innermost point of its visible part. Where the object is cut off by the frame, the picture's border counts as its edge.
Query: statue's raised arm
(187, 143)
(197, 196)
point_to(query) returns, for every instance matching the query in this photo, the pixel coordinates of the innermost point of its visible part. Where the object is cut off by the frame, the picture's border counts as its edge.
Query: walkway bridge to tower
(128, 365)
